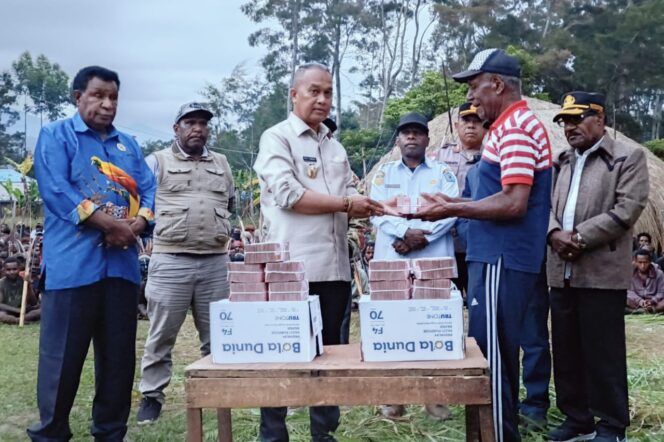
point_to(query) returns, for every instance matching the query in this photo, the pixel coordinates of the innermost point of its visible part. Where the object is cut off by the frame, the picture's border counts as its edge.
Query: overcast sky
(164, 51)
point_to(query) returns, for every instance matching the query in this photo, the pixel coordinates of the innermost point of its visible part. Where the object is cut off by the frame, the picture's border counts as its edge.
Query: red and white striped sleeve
(519, 154)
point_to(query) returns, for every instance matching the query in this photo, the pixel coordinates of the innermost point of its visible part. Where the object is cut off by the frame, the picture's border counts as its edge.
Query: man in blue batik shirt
(98, 196)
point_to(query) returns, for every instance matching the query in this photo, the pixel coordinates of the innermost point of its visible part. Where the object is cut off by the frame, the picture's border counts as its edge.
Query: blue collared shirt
(395, 178)
(79, 173)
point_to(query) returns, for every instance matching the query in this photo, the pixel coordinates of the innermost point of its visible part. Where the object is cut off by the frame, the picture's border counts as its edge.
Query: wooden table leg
(194, 425)
(225, 424)
(486, 423)
(472, 423)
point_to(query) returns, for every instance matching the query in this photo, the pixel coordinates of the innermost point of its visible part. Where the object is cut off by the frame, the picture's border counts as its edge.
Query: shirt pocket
(222, 225)
(338, 164)
(172, 225)
(177, 179)
(217, 180)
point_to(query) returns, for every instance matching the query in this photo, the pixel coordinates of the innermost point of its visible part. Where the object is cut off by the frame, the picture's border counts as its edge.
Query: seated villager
(646, 293)
(11, 293)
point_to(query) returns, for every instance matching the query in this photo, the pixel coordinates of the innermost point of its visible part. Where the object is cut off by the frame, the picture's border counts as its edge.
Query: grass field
(18, 374)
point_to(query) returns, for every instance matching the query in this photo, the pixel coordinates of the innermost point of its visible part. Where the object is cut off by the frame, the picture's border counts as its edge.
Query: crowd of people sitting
(16, 244)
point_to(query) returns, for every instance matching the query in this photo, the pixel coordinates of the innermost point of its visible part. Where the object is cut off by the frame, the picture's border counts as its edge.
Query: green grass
(18, 374)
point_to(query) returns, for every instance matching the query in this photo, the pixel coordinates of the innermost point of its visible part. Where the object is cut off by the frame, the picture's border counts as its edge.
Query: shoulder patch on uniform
(448, 175)
(379, 178)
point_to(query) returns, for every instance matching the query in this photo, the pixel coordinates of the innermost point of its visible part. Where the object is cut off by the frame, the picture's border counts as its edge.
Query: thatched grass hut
(651, 219)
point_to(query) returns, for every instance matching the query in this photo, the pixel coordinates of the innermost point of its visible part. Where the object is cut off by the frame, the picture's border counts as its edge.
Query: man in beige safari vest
(188, 266)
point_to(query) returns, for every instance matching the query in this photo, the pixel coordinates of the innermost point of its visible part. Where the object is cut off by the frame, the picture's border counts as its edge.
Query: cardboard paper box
(246, 332)
(412, 330)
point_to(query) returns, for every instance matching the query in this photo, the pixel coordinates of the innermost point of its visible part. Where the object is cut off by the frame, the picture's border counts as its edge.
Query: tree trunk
(295, 32)
(337, 71)
(656, 117)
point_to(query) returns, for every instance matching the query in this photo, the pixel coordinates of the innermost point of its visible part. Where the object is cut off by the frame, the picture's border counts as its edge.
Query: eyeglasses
(574, 120)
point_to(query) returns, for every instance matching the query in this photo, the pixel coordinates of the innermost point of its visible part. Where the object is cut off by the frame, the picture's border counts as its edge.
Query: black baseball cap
(495, 61)
(579, 102)
(413, 118)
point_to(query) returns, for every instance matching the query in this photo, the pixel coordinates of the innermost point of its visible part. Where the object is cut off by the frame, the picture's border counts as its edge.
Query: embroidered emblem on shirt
(121, 147)
(433, 182)
(448, 175)
(379, 179)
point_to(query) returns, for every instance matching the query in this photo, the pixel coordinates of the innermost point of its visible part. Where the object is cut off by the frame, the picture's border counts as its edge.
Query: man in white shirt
(307, 197)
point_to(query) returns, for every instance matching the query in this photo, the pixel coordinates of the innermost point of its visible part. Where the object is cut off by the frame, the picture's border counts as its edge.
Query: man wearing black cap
(398, 238)
(193, 205)
(412, 175)
(460, 157)
(507, 227)
(600, 189)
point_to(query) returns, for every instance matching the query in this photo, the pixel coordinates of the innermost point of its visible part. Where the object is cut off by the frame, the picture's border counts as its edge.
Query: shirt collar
(509, 111)
(301, 127)
(588, 151)
(186, 155)
(81, 127)
(428, 163)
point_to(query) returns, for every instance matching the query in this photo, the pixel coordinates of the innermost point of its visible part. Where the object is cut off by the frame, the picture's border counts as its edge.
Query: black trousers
(104, 312)
(461, 281)
(334, 297)
(589, 356)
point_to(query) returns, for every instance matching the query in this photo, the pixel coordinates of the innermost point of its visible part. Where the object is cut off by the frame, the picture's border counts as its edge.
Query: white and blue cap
(494, 61)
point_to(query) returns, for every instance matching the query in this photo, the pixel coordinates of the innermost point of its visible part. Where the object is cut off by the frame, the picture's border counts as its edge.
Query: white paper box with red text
(246, 332)
(412, 329)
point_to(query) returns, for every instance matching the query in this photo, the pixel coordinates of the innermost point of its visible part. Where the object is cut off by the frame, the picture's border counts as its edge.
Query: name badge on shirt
(392, 186)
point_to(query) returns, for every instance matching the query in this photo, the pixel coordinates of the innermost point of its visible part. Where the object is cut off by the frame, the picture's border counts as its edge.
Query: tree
(9, 142)
(430, 98)
(44, 83)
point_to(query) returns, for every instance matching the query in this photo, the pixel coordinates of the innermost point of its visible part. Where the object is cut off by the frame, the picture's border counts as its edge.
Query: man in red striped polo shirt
(508, 223)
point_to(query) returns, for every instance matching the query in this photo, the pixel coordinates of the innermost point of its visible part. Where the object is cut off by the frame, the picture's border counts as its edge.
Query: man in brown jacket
(600, 188)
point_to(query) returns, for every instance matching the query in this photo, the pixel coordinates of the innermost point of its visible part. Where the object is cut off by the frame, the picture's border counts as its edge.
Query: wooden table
(339, 377)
